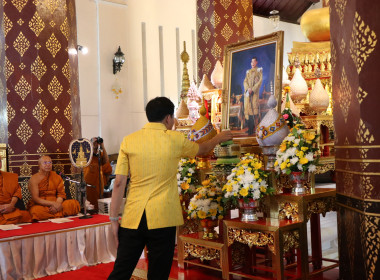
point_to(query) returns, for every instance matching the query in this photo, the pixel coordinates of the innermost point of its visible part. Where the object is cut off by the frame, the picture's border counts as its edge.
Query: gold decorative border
(358, 172)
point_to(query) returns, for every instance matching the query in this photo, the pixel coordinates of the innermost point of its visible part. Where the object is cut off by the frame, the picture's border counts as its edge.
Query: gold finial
(185, 73)
(202, 110)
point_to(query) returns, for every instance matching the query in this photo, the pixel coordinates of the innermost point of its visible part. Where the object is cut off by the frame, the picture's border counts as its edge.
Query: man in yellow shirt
(152, 210)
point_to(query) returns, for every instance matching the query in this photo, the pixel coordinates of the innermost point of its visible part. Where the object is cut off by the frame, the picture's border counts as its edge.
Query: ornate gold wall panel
(40, 110)
(220, 23)
(357, 145)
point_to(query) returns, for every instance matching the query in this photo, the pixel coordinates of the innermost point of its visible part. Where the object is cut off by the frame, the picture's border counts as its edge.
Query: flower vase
(298, 180)
(248, 209)
(209, 228)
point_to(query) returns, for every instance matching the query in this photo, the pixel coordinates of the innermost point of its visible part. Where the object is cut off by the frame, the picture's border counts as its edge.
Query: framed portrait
(252, 72)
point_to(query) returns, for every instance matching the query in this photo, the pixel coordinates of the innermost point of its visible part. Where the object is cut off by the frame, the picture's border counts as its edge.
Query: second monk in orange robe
(48, 194)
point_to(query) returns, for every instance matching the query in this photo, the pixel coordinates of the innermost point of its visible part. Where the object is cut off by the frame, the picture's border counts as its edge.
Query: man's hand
(250, 91)
(115, 230)
(6, 208)
(55, 207)
(224, 136)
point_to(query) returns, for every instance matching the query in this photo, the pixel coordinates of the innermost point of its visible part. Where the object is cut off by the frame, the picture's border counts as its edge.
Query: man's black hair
(158, 108)
(255, 58)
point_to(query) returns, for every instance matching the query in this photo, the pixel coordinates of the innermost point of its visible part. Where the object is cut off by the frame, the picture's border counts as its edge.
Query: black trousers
(251, 125)
(160, 243)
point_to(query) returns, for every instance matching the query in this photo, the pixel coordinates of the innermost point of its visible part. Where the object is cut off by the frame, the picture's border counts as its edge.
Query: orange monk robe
(50, 188)
(91, 177)
(9, 188)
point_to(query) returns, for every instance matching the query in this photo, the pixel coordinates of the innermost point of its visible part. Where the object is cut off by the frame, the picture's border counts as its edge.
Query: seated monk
(10, 193)
(48, 194)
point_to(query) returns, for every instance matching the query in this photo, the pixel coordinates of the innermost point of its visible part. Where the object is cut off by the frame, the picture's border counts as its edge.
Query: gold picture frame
(252, 71)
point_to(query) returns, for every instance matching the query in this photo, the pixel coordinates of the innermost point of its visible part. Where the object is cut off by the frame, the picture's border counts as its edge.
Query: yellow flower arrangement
(206, 203)
(247, 180)
(186, 177)
(297, 152)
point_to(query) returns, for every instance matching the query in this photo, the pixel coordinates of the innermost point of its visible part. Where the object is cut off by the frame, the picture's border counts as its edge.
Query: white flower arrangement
(206, 203)
(247, 180)
(297, 152)
(186, 176)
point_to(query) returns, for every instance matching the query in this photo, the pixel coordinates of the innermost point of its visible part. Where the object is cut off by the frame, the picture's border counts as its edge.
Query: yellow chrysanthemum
(240, 172)
(220, 208)
(304, 160)
(201, 214)
(189, 174)
(185, 186)
(257, 165)
(188, 180)
(220, 217)
(213, 212)
(206, 183)
(283, 165)
(229, 188)
(309, 135)
(263, 189)
(283, 147)
(304, 148)
(276, 163)
(243, 192)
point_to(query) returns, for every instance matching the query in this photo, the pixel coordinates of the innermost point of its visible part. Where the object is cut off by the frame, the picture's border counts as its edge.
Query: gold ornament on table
(185, 73)
(315, 24)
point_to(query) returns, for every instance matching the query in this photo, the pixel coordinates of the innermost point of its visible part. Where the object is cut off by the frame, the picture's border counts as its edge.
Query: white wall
(102, 26)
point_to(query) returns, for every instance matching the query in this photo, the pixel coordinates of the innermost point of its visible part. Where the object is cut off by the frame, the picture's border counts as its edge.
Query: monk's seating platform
(46, 248)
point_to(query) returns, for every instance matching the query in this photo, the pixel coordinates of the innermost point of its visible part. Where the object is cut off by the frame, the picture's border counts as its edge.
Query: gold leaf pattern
(245, 4)
(7, 25)
(372, 244)
(206, 34)
(236, 18)
(361, 94)
(363, 165)
(199, 54)
(216, 51)
(22, 66)
(42, 149)
(41, 133)
(53, 45)
(36, 24)
(23, 88)
(225, 3)
(23, 109)
(21, 44)
(68, 113)
(362, 43)
(345, 95)
(39, 90)
(19, 4)
(57, 131)
(65, 29)
(24, 132)
(56, 109)
(199, 22)
(206, 65)
(227, 32)
(11, 113)
(246, 32)
(205, 5)
(40, 112)
(342, 46)
(9, 68)
(363, 153)
(340, 5)
(20, 22)
(53, 5)
(38, 68)
(55, 88)
(52, 23)
(25, 170)
(54, 66)
(366, 186)
(215, 19)
(364, 136)
(66, 70)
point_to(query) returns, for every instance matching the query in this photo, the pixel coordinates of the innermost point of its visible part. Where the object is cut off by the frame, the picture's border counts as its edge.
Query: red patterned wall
(41, 81)
(220, 23)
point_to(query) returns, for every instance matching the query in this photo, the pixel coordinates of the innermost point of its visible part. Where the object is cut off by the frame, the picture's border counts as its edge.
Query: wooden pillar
(355, 50)
(39, 93)
(220, 23)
